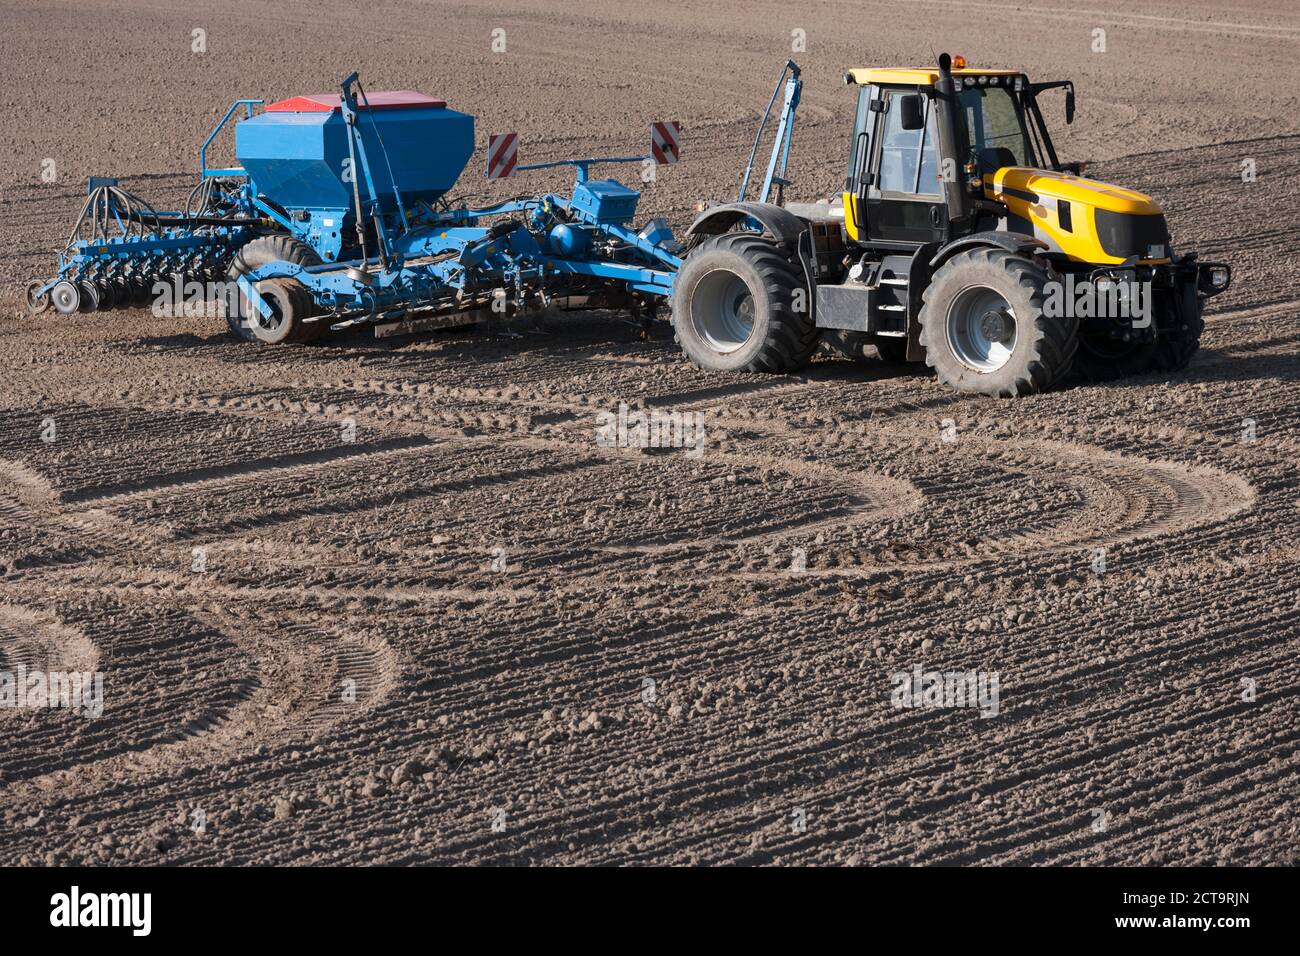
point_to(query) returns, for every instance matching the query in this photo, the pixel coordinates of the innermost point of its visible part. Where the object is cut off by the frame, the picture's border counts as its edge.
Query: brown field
(434, 644)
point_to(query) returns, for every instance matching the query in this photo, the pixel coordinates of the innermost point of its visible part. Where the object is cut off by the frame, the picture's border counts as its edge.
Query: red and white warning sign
(665, 143)
(503, 155)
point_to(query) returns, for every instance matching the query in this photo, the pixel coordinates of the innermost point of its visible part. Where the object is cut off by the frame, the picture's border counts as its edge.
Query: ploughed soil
(390, 601)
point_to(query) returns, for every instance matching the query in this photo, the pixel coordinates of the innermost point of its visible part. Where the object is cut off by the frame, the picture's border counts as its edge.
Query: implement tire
(290, 306)
(253, 255)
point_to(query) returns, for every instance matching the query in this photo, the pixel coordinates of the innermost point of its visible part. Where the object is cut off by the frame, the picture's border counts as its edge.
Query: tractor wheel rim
(722, 310)
(982, 330)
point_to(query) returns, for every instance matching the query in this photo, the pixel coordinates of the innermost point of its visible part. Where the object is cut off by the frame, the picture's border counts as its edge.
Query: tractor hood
(1088, 221)
(1089, 192)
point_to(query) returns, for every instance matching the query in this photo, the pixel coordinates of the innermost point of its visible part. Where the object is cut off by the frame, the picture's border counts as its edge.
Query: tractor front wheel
(985, 330)
(1180, 326)
(739, 305)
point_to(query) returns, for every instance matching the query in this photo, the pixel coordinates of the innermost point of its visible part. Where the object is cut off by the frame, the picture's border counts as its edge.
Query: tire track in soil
(274, 467)
(1171, 497)
(293, 692)
(36, 645)
(1139, 516)
(25, 638)
(700, 796)
(1126, 498)
(178, 694)
(314, 653)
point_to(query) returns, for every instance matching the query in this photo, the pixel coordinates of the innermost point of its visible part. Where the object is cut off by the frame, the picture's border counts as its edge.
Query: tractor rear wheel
(984, 328)
(739, 305)
(253, 255)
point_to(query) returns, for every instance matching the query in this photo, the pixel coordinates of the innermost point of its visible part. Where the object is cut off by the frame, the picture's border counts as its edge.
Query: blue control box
(606, 201)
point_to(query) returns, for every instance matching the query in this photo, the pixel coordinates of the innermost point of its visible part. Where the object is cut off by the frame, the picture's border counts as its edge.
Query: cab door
(904, 196)
(859, 177)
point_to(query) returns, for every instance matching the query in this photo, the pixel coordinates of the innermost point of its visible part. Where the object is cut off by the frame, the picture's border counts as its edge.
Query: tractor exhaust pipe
(952, 146)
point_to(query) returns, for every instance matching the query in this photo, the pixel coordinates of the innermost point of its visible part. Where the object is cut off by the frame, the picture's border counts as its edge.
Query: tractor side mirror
(911, 114)
(1069, 105)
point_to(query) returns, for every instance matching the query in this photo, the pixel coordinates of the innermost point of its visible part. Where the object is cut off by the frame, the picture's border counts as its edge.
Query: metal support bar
(582, 165)
(203, 150)
(784, 135)
(357, 150)
(784, 132)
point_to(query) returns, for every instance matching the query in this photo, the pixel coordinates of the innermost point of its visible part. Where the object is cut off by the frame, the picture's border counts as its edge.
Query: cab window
(994, 126)
(909, 158)
(930, 182)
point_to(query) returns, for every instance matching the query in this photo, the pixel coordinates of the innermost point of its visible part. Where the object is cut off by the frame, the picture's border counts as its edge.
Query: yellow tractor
(962, 241)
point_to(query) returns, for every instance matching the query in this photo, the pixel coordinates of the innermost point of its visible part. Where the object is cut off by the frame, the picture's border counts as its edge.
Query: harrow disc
(141, 292)
(122, 292)
(37, 302)
(107, 294)
(89, 295)
(66, 297)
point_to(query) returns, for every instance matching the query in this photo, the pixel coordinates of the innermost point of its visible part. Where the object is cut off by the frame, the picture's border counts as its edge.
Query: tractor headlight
(1213, 278)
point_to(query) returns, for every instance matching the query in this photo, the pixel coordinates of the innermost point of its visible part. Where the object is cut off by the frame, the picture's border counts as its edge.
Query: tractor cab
(937, 156)
(899, 163)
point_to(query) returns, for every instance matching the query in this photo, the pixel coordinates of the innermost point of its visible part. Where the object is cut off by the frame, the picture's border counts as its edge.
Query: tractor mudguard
(1010, 241)
(784, 225)
(787, 230)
